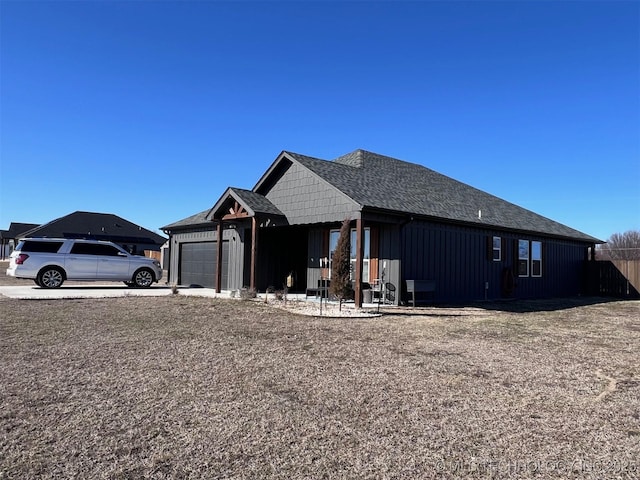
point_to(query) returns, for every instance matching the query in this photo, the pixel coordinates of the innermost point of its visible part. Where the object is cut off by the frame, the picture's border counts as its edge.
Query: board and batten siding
(315, 252)
(305, 199)
(563, 268)
(457, 259)
(234, 237)
(389, 254)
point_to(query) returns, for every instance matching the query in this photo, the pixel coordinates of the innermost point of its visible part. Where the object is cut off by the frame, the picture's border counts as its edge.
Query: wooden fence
(615, 278)
(153, 254)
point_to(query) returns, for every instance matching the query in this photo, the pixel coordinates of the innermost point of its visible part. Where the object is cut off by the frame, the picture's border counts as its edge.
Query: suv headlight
(156, 263)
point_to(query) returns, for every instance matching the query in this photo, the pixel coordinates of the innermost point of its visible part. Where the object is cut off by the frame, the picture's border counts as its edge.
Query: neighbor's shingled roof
(16, 229)
(381, 182)
(102, 226)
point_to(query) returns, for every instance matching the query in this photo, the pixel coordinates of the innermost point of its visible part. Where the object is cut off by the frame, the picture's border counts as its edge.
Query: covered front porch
(272, 255)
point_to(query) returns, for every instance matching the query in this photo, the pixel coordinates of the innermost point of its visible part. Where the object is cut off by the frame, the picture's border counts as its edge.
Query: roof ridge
(300, 155)
(239, 189)
(352, 159)
(394, 184)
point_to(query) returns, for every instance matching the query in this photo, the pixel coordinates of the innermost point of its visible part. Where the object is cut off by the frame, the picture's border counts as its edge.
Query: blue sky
(149, 110)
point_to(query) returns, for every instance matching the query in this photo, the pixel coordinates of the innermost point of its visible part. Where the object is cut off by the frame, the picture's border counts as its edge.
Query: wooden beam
(254, 252)
(237, 211)
(219, 259)
(359, 255)
(231, 216)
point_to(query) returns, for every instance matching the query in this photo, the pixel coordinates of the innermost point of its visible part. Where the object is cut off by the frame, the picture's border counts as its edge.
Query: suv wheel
(143, 278)
(50, 277)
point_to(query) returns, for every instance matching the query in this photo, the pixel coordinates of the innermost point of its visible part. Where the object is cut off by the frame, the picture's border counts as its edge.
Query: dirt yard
(185, 387)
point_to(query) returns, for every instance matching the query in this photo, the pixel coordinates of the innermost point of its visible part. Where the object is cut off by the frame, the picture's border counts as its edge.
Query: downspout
(254, 253)
(219, 234)
(170, 256)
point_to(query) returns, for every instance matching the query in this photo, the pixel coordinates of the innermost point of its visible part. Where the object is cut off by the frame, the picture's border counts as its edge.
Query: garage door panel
(198, 264)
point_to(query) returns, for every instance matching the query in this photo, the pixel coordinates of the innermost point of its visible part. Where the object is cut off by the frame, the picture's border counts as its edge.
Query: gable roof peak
(239, 202)
(359, 157)
(353, 159)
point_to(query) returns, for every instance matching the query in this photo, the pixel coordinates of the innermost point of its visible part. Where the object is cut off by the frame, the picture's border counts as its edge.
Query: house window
(536, 259)
(523, 258)
(333, 242)
(497, 249)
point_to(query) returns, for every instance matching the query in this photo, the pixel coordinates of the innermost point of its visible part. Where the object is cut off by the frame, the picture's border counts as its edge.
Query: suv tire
(50, 277)
(143, 278)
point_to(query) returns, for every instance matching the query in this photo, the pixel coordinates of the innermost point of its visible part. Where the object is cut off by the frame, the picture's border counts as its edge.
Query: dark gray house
(9, 238)
(408, 223)
(100, 226)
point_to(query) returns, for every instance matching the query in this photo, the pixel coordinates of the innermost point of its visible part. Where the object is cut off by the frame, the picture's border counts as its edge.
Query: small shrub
(248, 293)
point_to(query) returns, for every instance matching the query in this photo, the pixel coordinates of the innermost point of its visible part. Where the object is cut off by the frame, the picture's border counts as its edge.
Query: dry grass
(184, 387)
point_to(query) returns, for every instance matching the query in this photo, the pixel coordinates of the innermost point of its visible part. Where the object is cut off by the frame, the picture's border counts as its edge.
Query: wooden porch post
(254, 251)
(359, 255)
(219, 258)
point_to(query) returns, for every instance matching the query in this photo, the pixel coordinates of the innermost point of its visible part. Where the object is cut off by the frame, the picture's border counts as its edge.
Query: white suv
(51, 261)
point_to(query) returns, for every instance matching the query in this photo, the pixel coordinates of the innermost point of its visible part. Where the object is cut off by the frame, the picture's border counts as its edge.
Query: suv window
(94, 249)
(44, 247)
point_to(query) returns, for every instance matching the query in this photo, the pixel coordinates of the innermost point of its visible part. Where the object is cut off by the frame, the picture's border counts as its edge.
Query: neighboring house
(100, 226)
(9, 238)
(410, 222)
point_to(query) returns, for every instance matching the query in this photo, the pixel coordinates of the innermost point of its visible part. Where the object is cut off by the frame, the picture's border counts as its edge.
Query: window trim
(524, 260)
(498, 248)
(366, 257)
(533, 259)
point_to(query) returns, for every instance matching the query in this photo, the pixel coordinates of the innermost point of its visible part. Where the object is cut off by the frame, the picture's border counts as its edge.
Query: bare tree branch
(621, 246)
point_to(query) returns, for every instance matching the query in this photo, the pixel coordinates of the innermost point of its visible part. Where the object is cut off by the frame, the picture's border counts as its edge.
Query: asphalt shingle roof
(194, 220)
(16, 230)
(97, 225)
(256, 202)
(382, 182)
